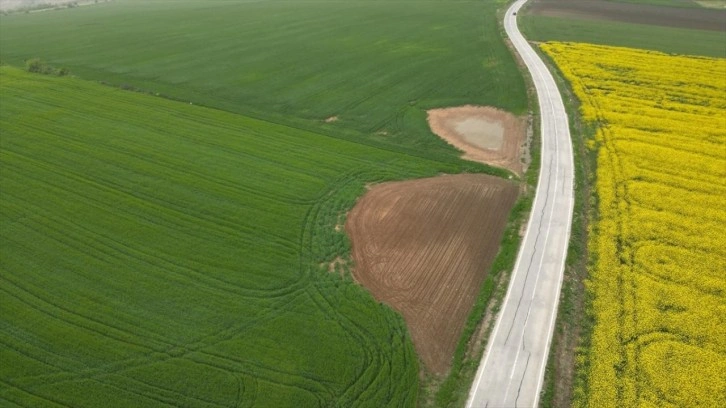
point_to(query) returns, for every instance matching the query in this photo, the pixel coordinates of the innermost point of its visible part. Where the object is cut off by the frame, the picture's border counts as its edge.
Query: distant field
(639, 24)
(165, 254)
(680, 3)
(665, 39)
(633, 12)
(658, 254)
(375, 65)
(666, 3)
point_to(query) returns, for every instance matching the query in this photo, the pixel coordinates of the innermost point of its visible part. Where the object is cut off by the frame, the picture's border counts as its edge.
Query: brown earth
(425, 246)
(484, 134)
(680, 17)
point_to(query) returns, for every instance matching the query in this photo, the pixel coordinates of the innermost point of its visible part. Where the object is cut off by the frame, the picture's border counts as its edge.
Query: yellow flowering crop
(659, 244)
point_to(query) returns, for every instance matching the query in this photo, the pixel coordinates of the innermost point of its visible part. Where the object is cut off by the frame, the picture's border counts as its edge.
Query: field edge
(571, 325)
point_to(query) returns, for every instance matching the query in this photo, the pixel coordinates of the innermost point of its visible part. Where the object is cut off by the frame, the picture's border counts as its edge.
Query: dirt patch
(484, 134)
(680, 17)
(425, 246)
(481, 133)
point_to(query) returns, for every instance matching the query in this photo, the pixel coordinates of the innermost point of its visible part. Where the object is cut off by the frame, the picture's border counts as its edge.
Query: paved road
(512, 369)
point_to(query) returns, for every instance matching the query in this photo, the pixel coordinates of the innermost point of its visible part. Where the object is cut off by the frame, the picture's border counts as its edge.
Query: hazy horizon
(7, 5)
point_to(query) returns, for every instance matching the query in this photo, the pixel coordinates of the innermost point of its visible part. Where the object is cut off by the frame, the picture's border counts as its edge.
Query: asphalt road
(512, 369)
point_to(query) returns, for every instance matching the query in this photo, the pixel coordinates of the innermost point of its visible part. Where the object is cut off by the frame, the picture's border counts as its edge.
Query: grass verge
(573, 322)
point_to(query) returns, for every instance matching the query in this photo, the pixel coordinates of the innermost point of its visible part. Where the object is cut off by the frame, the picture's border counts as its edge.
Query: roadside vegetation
(573, 323)
(38, 66)
(656, 287)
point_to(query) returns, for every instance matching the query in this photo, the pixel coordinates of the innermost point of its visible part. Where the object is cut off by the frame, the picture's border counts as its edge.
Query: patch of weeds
(38, 66)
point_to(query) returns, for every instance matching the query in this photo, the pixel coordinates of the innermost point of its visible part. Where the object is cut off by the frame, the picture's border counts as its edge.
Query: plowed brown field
(425, 246)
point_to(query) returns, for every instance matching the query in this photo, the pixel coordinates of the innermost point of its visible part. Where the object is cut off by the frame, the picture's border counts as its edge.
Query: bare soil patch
(485, 134)
(335, 264)
(680, 17)
(425, 246)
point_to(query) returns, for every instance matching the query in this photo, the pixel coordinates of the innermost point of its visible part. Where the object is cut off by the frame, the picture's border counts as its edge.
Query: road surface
(512, 368)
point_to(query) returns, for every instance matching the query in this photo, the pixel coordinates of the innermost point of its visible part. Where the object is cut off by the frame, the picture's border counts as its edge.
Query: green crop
(171, 253)
(170, 246)
(375, 65)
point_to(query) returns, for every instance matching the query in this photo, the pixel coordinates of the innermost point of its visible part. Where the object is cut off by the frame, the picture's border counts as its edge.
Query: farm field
(669, 40)
(634, 12)
(171, 220)
(424, 247)
(370, 68)
(170, 254)
(688, 31)
(677, 3)
(658, 252)
(8, 6)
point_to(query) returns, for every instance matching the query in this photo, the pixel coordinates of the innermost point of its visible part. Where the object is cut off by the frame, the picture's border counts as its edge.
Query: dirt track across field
(680, 17)
(424, 247)
(484, 134)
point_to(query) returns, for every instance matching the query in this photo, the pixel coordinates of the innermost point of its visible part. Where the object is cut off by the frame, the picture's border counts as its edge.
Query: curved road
(512, 369)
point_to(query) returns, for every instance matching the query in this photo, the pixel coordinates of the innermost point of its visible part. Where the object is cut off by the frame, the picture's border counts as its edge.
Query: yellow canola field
(658, 278)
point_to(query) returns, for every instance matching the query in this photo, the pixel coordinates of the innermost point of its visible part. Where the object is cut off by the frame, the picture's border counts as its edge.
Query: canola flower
(658, 278)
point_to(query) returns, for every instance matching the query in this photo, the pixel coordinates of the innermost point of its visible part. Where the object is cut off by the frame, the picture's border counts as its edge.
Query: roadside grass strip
(166, 238)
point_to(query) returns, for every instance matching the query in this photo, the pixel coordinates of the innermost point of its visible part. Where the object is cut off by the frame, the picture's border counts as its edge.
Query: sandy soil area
(484, 134)
(425, 246)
